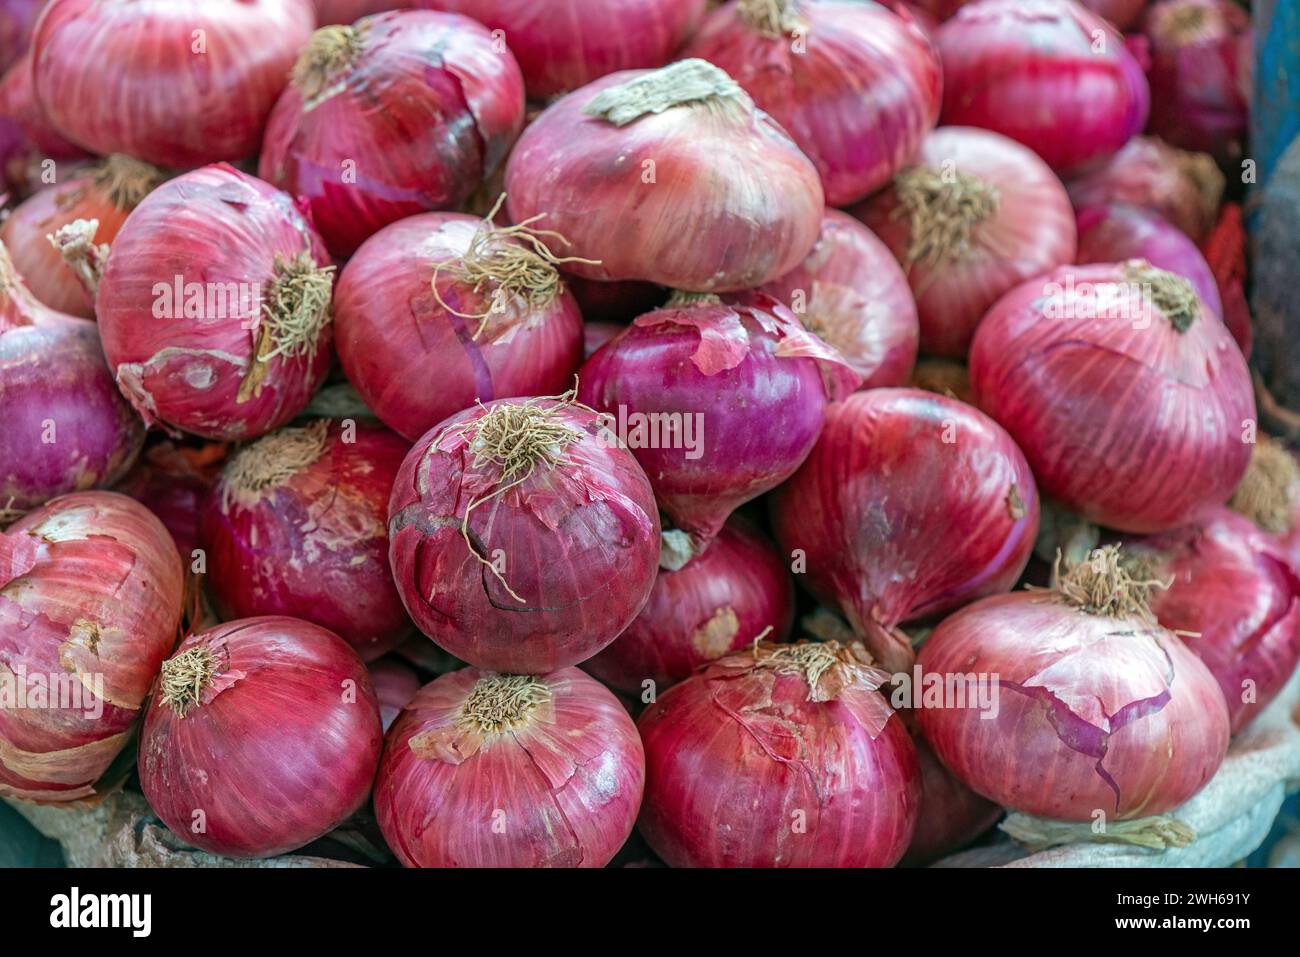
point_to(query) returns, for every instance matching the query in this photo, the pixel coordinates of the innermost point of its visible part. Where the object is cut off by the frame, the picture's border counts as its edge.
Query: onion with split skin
(498, 770)
(627, 166)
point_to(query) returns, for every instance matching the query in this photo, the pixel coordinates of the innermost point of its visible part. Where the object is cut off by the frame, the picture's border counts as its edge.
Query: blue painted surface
(1275, 117)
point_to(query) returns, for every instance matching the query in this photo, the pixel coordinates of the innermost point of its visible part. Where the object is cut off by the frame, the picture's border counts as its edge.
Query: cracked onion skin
(297, 525)
(414, 120)
(89, 583)
(911, 504)
(557, 787)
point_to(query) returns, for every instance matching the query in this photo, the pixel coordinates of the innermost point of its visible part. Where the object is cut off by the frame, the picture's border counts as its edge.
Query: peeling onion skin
(951, 816)
(211, 226)
(1031, 232)
(713, 168)
(1078, 695)
(719, 602)
(350, 11)
(314, 544)
(897, 524)
(569, 784)
(392, 332)
(289, 700)
(1137, 429)
(857, 299)
(424, 113)
(858, 99)
(564, 44)
(1031, 70)
(579, 544)
(121, 76)
(1233, 587)
(89, 583)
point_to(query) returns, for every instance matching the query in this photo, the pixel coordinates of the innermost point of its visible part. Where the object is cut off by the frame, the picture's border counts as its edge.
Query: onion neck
(1156, 833)
(328, 56)
(944, 209)
(1108, 584)
(1206, 178)
(828, 668)
(126, 181)
(688, 83)
(681, 299)
(1172, 295)
(293, 317)
(185, 677)
(772, 18)
(1266, 493)
(501, 703)
(271, 461)
(87, 259)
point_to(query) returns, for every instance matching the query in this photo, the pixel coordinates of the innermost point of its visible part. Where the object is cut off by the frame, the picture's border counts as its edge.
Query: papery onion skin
(858, 99)
(718, 603)
(281, 747)
(748, 386)
(1125, 420)
(349, 11)
(1030, 230)
(746, 766)
(626, 195)
(392, 331)
(564, 44)
(1094, 713)
(396, 683)
(951, 816)
(297, 525)
(1235, 599)
(565, 781)
(578, 543)
(219, 231)
(419, 111)
(910, 504)
(124, 76)
(856, 298)
(1034, 70)
(90, 585)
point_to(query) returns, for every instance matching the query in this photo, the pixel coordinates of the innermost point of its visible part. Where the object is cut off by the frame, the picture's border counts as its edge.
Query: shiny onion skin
(395, 338)
(910, 505)
(574, 539)
(419, 108)
(596, 334)
(952, 815)
(297, 525)
(1035, 71)
(963, 244)
(857, 95)
(1125, 419)
(703, 166)
(737, 393)
(89, 586)
(564, 44)
(491, 770)
(349, 11)
(396, 683)
(717, 603)
(135, 76)
(230, 372)
(269, 727)
(851, 293)
(1233, 592)
(752, 764)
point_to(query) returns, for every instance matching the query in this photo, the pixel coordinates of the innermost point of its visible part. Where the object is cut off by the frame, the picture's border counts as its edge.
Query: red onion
(1128, 400)
(297, 526)
(403, 113)
(629, 165)
(851, 293)
(596, 334)
(262, 735)
(911, 504)
(174, 82)
(855, 85)
(619, 302)
(1097, 707)
(976, 215)
(173, 481)
(498, 322)
(90, 600)
(350, 11)
(214, 306)
(951, 816)
(493, 770)
(718, 402)
(1121, 14)
(1047, 73)
(1184, 188)
(523, 539)
(396, 683)
(27, 140)
(1201, 59)
(1269, 495)
(1115, 233)
(783, 756)
(564, 44)
(17, 18)
(944, 376)
(719, 602)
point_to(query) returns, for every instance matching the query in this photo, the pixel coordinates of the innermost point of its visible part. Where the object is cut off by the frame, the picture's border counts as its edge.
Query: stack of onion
(494, 770)
(1127, 396)
(627, 166)
(90, 600)
(911, 504)
(975, 216)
